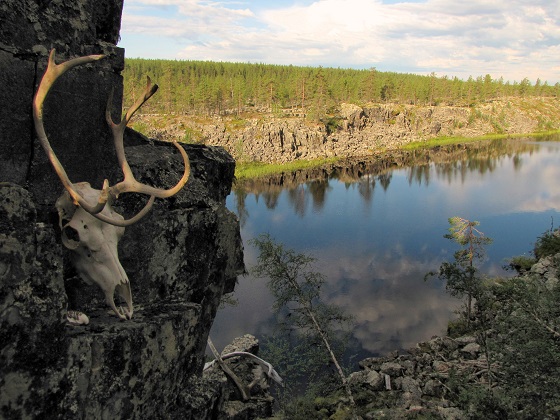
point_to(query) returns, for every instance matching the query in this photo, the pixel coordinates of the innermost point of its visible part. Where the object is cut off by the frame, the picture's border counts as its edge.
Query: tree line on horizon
(217, 88)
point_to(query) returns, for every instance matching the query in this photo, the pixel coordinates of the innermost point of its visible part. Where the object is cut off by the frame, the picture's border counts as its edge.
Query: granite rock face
(180, 258)
(74, 111)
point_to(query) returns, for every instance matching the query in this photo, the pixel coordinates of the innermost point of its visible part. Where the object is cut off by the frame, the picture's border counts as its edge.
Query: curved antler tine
(148, 92)
(127, 222)
(129, 184)
(53, 72)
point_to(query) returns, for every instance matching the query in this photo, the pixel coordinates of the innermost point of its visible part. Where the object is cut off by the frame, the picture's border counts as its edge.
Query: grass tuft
(258, 169)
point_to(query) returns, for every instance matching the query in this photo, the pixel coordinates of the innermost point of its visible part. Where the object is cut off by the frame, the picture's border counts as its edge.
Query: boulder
(433, 388)
(392, 369)
(371, 379)
(471, 350)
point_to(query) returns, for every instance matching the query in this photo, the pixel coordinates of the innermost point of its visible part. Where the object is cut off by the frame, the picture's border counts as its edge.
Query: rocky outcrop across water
(353, 131)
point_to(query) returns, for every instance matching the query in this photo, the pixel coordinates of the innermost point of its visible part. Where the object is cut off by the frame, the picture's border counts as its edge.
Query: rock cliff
(180, 258)
(353, 130)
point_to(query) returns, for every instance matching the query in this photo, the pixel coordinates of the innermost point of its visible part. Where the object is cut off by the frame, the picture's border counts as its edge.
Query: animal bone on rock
(94, 247)
(90, 226)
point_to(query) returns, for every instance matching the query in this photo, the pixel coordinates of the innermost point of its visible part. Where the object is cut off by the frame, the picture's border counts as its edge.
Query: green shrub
(521, 263)
(547, 244)
(458, 327)
(332, 124)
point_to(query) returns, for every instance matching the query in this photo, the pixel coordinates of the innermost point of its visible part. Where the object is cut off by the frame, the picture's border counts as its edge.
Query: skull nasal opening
(71, 233)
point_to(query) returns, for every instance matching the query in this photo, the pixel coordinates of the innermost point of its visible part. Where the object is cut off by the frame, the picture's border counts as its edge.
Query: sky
(513, 39)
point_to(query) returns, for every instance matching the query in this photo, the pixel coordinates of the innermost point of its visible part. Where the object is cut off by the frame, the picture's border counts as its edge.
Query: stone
(348, 110)
(409, 399)
(247, 343)
(409, 366)
(543, 265)
(370, 378)
(467, 339)
(411, 385)
(392, 369)
(433, 388)
(450, 344)
(471, 350)
(451, 413)
(436, 344)
(440, 366)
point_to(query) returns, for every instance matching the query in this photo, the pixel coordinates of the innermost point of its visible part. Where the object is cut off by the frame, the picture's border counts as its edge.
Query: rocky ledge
(180, 259)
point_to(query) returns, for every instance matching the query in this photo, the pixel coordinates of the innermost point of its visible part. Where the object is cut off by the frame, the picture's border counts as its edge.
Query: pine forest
(219, 88)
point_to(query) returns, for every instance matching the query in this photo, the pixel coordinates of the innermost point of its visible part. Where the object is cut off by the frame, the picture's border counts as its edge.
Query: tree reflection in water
(376, 227)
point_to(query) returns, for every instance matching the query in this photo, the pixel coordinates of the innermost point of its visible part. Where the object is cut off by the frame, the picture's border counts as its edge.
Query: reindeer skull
(94, 246)
(90, 227)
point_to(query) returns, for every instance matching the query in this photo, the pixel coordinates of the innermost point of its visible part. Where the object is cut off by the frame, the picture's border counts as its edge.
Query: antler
(53, 72)
(129, 184)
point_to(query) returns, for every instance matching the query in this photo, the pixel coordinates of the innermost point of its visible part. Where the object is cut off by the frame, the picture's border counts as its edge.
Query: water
(377, 228)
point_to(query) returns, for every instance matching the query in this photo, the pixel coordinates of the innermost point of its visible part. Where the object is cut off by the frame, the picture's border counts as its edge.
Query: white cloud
(512, 39)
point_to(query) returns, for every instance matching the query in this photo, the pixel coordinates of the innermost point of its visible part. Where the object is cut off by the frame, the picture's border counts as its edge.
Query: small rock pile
(399, 385)
(547, 268)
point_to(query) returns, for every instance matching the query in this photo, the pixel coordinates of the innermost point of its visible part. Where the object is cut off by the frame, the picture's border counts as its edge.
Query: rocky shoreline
(353, 130)
(418, 383)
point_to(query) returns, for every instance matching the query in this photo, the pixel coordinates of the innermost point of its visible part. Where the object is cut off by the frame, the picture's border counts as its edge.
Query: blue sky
(512, 39)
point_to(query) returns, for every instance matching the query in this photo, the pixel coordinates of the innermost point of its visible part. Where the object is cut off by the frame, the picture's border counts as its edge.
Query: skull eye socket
(70, 237)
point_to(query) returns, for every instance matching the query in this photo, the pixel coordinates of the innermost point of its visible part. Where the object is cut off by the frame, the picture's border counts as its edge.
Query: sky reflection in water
(376, 237)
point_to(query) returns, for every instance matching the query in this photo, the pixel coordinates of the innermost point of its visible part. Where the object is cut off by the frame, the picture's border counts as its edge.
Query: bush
(528, 346)
(547, 244)
(332, 124)
(458, 327)
(296, 288)
(521, 263)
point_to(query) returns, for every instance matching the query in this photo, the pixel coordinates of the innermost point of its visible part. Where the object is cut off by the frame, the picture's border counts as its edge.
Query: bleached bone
(129, 184)
(90, 226)
(94, 246)
(77, 318)
(245, 390)
(268, 368)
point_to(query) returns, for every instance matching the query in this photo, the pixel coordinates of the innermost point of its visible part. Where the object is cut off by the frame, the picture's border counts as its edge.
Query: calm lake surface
(376, 228)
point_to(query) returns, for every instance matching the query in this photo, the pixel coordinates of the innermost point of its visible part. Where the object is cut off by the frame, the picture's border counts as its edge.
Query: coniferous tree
(462, 275)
